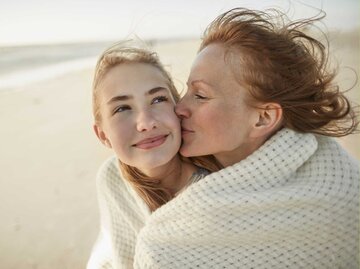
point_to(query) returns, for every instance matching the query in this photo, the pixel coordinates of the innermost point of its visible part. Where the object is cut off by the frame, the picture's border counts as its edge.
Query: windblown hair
(119, 54)
(276, 60)
(149, 189)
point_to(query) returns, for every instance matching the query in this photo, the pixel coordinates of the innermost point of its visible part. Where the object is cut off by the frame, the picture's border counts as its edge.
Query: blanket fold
(291, 204)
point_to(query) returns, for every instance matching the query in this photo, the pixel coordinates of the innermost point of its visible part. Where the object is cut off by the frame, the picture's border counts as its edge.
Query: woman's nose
(182, 110)
(145, 121)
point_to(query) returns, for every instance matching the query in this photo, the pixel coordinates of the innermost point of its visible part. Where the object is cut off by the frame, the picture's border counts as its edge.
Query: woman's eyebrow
(198, 81)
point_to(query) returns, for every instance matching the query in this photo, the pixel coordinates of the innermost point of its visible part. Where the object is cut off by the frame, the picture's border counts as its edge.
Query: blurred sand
(345, 48)
(49, 158)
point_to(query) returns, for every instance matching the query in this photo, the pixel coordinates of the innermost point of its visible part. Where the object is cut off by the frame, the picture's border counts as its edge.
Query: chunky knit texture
(123, 213)
(294, 203)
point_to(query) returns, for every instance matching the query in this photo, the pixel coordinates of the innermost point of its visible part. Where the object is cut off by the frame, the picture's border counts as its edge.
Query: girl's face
(137, 116)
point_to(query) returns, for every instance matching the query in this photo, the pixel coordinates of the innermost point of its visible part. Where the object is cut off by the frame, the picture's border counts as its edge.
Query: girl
(133, 105)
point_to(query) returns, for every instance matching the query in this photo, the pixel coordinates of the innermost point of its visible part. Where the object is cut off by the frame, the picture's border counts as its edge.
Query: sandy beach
(49, 159)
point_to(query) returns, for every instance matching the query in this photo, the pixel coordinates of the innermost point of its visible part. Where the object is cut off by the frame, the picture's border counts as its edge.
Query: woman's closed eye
(200, 97)
(159, 99)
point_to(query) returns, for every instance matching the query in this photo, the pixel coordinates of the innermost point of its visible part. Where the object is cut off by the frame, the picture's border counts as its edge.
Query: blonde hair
(118, 54)
(148, 188)
(284, 65)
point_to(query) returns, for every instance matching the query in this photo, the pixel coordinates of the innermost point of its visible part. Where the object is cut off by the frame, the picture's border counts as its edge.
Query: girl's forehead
(133, 80)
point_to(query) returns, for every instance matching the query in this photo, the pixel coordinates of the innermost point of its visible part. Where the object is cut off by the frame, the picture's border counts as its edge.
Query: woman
(261, 100)
(133, 105)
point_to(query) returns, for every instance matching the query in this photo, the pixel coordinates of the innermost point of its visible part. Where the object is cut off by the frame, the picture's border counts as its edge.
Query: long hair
(281, 63)
(148, 188)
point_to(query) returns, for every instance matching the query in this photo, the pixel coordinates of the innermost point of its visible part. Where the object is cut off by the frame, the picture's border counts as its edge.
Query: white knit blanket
(294, 203)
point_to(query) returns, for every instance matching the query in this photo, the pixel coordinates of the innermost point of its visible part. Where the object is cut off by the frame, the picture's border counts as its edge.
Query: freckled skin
(214, 109)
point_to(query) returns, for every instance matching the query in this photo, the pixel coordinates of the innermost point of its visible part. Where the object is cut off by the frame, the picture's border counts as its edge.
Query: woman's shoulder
(329, 149)
(334, 166)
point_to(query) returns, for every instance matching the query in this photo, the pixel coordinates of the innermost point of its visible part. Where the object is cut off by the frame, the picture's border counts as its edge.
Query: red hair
(283, 64)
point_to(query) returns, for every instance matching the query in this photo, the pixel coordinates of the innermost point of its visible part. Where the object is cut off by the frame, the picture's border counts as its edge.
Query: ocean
(22, 65)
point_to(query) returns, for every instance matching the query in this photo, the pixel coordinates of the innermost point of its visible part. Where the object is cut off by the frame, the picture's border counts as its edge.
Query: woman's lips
(185, 131)
(151, 142)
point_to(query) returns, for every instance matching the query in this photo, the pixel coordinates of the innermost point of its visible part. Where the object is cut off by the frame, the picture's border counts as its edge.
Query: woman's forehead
(214, 66)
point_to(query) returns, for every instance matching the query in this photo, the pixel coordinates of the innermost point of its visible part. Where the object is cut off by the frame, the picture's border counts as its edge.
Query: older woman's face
(215, 117)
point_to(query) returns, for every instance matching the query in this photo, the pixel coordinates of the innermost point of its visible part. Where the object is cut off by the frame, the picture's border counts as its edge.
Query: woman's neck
(228, 158)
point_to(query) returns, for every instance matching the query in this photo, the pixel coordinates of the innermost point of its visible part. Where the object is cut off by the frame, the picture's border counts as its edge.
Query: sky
(24, 22)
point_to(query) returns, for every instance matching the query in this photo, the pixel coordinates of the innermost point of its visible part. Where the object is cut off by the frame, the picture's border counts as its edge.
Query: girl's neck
(173, 175)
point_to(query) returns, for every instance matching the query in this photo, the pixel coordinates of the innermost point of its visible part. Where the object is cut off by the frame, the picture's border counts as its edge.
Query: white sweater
(294, 203)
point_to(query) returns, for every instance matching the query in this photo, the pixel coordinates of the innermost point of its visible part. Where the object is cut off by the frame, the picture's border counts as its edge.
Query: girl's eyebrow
(155, 90)
(127, 97)
(119, 98)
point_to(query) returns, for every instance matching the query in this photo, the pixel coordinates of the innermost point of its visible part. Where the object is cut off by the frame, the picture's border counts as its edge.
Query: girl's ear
(101, 135)
(269, 120)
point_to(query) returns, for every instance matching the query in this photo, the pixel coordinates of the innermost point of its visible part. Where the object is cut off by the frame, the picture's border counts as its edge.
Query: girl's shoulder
(195, 177)
(108, 178)
(198, 174)
(112, 186)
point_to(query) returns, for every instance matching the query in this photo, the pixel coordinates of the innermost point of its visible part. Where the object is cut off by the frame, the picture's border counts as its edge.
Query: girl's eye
(121, 108)
(159, 99)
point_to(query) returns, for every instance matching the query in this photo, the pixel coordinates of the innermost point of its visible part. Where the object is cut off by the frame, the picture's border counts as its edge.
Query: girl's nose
(145, 121)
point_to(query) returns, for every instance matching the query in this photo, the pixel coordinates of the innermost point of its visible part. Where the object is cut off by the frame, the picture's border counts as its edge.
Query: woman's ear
(101, 135)
(268, 121)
